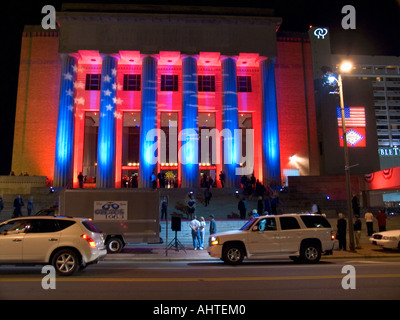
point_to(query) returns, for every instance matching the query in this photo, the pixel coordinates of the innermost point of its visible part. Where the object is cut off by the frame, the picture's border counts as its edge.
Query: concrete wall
(155, 32)
(20, 184)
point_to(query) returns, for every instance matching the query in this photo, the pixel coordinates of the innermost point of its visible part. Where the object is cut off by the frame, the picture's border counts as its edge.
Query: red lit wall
(250, 102)
(296, 106)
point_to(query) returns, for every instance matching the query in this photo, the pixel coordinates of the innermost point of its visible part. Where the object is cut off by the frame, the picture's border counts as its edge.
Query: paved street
(210, 280)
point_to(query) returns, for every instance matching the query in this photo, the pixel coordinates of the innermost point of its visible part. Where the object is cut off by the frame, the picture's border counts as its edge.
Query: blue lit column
(106, 137)
(63, 166)
(230, 123)
(270, 129)
(190, 136)
(148, 125)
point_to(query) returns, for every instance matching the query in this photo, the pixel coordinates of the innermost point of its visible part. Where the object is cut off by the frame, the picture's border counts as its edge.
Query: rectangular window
(132, 82)
(169, 82)
(243, 83)
(93, 82)
(206, 83)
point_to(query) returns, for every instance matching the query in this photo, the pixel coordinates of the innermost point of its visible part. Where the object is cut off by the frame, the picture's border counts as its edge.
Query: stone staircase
(223, 204)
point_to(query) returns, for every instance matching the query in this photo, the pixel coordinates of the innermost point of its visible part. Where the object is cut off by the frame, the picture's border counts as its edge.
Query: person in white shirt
(202, 230)
(195, 225)
(369, 218)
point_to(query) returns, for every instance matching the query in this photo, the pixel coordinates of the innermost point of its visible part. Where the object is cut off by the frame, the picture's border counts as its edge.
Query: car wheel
(233, 254)
(65, 262)
(114, 245)
(310, 253)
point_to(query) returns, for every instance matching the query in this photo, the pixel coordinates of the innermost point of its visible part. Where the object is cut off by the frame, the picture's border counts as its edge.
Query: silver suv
(68, 244)
(302, 237)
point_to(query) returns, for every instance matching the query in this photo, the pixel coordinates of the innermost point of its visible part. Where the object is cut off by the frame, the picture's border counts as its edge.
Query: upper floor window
(169, 82)
(243, 83)
(132, 82)
(206, 83)
(93, 82)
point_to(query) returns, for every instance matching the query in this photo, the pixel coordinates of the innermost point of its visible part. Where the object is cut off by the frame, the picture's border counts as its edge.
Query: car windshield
(248, 224)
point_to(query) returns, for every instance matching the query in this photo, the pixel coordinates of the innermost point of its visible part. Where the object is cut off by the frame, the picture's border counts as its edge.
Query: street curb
(131, 257)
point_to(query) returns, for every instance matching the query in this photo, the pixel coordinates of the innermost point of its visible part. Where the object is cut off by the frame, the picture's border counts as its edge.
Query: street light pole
(346, 167)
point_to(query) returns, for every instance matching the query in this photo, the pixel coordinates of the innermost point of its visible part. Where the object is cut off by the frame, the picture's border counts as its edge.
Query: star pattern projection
(109, 89)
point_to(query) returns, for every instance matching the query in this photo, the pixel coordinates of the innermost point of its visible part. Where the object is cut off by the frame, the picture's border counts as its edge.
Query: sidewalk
(159, 253)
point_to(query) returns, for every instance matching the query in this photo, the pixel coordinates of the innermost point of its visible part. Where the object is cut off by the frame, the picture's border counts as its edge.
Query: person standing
(381, 217)
(222, 179)
(202, 230)
(369, 220)
(194, 226)
(80, 179)
(207, 196)
(153, 180)
(29, 206)
(1, 203)
(357, 231)
(260, 205)
(242, 208)
(213, 225)
(355, 203)
(18, 204)
(164, 205)
(341, 232)
(191, 204)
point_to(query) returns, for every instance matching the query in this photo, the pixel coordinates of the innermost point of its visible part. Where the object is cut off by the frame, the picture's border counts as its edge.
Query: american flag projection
(355, 126)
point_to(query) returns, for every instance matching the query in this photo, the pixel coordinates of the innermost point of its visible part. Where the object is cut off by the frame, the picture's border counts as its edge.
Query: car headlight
(389, 238)
(214, 241)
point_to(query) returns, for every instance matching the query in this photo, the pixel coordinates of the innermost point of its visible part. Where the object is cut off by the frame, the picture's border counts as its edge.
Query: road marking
(216, 279)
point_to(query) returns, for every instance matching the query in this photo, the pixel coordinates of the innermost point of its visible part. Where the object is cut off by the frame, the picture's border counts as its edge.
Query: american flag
(354, 117)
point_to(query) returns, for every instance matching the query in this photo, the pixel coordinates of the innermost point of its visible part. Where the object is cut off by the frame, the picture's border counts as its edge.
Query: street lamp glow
(346, 66)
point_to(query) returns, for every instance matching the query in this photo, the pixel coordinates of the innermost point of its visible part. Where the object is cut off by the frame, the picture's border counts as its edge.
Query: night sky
(377, 33)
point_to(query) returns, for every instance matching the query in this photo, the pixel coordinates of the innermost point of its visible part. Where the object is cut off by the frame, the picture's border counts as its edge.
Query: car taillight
(89, 240)
(332, 235)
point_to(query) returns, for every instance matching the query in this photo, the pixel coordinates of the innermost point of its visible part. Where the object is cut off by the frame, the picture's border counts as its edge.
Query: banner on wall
(355, 126)
(110, 210)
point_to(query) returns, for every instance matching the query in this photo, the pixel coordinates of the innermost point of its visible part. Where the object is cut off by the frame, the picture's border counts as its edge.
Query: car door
(263, 238)
(12, 234)
(41, 239)
(290, 234)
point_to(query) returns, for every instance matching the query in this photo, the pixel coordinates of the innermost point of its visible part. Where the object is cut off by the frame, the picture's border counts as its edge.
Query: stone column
(148, 125)
(190, 136)
(63, 165)
(230, 123)
(106, 137)
(270, 128)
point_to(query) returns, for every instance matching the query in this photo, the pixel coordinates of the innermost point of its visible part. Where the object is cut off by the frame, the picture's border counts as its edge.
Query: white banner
(110, 210)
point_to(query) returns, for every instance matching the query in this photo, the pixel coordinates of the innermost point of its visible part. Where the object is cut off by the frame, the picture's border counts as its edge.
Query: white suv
(302, 237)
(65, 243)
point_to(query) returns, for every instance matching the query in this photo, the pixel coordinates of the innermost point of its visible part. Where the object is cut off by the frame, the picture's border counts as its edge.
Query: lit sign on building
(355, 126)
(394, 151)
(320, 33)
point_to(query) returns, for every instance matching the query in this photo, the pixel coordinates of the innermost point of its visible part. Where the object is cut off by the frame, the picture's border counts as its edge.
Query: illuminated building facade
(123, 92)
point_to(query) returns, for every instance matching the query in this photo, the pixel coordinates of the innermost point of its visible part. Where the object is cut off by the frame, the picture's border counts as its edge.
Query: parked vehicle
(68, 244)
(386, 239)
(302, 237)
